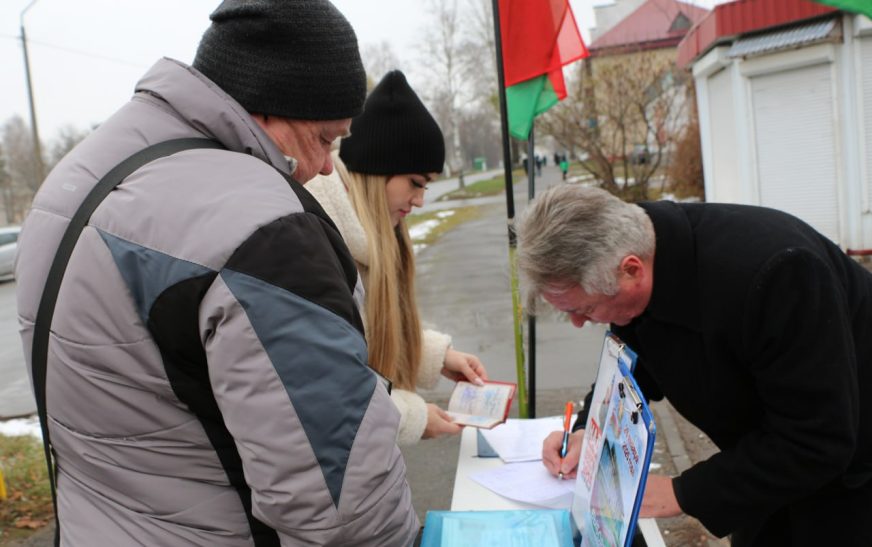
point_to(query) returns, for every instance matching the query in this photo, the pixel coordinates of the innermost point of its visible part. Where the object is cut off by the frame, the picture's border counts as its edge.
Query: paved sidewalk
(16, 398)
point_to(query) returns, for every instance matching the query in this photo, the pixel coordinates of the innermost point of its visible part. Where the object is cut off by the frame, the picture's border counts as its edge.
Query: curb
(672, 436)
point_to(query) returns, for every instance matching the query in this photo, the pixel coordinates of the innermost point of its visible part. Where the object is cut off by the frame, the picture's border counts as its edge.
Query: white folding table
(470, 496)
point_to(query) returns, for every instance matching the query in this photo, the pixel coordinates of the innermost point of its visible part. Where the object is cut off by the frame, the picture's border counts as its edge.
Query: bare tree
(443, 50)
(378, 59)
(625, 112)
(6, 193)
(685, 170)
(19, 172)
(479, 53)
(67, 138)
(461, 92)
(21, 166)
(480, 135)
(480, 66)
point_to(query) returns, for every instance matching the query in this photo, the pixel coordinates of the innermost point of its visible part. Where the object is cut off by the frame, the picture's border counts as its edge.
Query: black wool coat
(759, 331)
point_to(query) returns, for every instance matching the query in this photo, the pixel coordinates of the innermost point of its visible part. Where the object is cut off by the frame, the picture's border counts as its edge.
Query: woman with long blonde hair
(381, 172)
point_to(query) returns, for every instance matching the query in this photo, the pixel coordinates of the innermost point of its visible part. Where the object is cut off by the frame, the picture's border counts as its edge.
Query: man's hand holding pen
(659, 500)
(561, 450)
(551, 453)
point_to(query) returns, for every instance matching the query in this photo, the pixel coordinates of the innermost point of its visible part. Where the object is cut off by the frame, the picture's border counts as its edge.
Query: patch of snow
(574, 179)
(420, 231)
(21, 426)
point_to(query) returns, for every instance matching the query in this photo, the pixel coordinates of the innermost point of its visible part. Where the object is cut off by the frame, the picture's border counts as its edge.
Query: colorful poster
(615, 454)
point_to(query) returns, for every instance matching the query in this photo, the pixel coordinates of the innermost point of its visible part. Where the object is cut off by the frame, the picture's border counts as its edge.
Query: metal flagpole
(531, 320)
(510, 213)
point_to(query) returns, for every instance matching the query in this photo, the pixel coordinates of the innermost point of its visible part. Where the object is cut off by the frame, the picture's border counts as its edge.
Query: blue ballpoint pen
(564, 446)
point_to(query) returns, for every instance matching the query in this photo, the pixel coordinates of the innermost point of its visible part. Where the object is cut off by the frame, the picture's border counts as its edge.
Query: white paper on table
(521, 440)
(527, 482)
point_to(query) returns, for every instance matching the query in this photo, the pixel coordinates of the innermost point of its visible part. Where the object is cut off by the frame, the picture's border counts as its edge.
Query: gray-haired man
(754, 326)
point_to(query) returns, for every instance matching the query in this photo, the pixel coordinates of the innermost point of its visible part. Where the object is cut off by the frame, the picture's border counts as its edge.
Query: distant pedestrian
(207, 379)
(564, 166)
(538, 165)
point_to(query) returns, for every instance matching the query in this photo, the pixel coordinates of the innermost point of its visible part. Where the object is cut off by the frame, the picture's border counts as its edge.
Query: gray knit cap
(290, 58)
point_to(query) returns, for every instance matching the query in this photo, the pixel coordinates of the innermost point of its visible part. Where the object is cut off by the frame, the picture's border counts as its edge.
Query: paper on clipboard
(615, 454)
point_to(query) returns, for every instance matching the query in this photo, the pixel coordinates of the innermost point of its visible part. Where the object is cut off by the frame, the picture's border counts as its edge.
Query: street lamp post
(37, 147)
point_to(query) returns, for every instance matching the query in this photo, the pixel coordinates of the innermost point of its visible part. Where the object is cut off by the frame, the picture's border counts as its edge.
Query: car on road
(8, 248)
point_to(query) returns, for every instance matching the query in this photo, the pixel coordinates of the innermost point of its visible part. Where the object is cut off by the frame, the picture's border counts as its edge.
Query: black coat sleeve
(798, 348)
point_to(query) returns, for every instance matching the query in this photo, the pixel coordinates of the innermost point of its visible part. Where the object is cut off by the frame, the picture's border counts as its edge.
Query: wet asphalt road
(16, 398)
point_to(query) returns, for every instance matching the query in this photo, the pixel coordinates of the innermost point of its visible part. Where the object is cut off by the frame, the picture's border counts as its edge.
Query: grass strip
(28, 504)
(482, 188)
(445, 222)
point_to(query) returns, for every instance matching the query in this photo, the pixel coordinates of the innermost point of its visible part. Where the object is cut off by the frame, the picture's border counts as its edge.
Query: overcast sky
(87, 55)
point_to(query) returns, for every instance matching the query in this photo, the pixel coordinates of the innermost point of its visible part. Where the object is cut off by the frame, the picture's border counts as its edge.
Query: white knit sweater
(333, 197)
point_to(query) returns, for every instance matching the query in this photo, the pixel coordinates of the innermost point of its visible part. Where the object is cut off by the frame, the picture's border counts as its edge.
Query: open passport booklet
(615, 455)
(481, 406)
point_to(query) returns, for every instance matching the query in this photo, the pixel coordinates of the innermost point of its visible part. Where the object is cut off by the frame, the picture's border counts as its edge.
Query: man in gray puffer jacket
(207, 374)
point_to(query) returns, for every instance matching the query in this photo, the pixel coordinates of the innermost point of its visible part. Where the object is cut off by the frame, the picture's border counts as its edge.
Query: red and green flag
(856, 6)
(538, 38)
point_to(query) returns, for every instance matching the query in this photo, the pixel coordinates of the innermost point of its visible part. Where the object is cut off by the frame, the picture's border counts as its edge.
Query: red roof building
(727, 21)
(655, 24)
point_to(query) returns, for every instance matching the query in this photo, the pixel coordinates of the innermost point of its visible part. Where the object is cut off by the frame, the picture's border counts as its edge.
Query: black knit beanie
(395, 134)
(290, 58)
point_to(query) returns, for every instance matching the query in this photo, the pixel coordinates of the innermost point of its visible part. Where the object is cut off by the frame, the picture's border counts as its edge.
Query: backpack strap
(45, 312)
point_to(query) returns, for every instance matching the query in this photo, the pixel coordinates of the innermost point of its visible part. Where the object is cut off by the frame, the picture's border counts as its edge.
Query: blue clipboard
(616, 452)
(539, 527)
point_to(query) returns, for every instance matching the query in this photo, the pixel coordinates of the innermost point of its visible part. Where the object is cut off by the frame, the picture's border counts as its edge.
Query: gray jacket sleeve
(315, 431)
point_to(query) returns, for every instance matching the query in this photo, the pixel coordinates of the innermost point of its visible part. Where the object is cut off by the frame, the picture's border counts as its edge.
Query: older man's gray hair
(575, 235)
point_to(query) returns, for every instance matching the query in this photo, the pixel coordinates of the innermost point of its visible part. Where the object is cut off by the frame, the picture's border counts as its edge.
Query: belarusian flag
(857, 6)
(538, 38)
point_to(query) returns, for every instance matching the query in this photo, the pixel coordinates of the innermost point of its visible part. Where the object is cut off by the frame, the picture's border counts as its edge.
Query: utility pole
(37, 147)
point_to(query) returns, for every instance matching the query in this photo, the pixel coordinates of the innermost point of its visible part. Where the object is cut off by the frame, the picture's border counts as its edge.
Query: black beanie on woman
(395, 134)
(290, 58)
